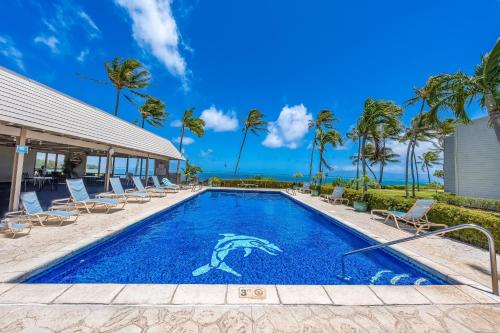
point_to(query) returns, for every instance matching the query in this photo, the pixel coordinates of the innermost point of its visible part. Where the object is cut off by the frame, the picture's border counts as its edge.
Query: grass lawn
(422, 194)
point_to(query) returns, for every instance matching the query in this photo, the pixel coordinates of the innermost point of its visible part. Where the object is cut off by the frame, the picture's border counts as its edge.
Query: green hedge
(260, 183)
(479, 203)
(440, 213)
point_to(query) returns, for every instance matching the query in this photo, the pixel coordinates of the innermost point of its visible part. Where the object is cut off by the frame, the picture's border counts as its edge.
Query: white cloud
(401, 147)
(176, 123)
(206, 153)
(186, 141)
(218, 121)
(83, 55)
(9, 51)
(154, 28)
(51, 42)
(290, 128)
(93, 29)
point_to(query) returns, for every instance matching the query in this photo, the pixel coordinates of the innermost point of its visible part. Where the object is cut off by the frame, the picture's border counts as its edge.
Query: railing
(489, 236)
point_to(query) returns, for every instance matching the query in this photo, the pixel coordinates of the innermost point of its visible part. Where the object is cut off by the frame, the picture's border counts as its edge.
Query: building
(472, 161)
(43, 129)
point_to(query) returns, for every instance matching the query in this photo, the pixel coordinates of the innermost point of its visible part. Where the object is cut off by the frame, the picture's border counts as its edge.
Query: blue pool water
(234, 237)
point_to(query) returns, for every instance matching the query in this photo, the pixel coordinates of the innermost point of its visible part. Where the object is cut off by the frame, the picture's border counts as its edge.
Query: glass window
(51, 162)
(151, 167)
(60, 162)
(40, 160)
(92, 165)
(102, 167)
(120, 166)
(133, 166)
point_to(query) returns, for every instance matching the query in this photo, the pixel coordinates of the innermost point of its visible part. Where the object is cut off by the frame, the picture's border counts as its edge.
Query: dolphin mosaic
(232, 242)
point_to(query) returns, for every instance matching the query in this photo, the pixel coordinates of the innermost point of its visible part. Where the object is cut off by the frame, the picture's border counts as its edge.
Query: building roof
(27, 103)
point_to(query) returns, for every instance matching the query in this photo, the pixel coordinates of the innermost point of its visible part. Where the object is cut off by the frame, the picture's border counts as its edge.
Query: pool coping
(463, 291)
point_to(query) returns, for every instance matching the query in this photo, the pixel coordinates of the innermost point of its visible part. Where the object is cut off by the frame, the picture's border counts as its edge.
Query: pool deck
(468, 306)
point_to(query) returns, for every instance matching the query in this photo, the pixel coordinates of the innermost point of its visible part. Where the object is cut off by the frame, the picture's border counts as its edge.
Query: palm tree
(356, 138)
(324, 120)
(459, 89)
(428, 160)
(126, 74)
(152, 111)
(382, 156)
(254, 123)
(191, 170)
(376, 113)
(324, 138)
(195, 125)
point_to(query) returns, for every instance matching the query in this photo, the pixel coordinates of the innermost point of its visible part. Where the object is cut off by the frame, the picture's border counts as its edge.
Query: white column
(17, 174)
(109, 164)
(146, 173)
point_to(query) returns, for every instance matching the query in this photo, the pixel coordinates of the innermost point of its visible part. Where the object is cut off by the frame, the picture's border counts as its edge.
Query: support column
(109, 164)
(17, 173)
(146, 173)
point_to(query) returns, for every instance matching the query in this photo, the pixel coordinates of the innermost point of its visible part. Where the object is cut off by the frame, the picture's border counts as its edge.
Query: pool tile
(352, 295)
(146, 294)
(445, 295)
(233, 295)
(90, 294)
(302, 294)
(200, 294)
(33, 293)
(399, 295)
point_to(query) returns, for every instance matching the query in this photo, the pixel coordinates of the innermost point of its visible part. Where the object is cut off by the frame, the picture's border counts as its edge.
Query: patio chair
(169, 188)
(151, 191)
(81, 199)
(13, 224)
(34, 211)
(336, 196)
(247, 185)
(416, 215)
(120, 193)
(306, 188)
(165, 181)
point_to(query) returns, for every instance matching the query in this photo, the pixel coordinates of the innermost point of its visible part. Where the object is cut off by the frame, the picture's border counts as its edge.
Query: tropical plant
(443, 129)
(191, 171)
(297, 176)
(324, 138)
(382, 156)
(376, 113)
(458, 90)
(127, 74)
(152, 111)
(428, 160)
(254, 123)
(438, 174)
(323, 121)
(354, 136)
(193, 124)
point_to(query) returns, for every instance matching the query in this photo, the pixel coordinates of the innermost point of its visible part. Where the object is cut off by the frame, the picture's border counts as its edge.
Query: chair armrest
(129, 190)
(17, 213)
(64, 201)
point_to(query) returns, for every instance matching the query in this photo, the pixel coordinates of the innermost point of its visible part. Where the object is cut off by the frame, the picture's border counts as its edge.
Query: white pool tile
(234, 295)
(352, 295)
(399, 295)
(200, 294)
(90, 294)
(302, 294)
(146, 294)
(33, 293)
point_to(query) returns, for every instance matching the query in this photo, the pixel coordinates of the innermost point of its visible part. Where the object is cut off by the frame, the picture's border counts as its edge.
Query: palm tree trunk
(117, 101)
(143, 119)
(320, 165)
(412, 173)
(241, 150)
(382, 164)
(371, 170)
(363, 146)
(494, 113)
(412, 139)
(177, 175)
(428, 173)
(357, 162)
(416, 169)
(312, 156)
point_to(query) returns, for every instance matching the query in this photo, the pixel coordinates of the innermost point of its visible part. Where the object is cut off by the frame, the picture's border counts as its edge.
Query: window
(102, 165)
(49, 161)
(120, 166)
(92, 165)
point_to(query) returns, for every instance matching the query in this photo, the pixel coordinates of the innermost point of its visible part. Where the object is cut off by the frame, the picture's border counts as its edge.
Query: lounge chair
(166, 185)
(166, 182)
(247, 185)
(306, 188)
(151, 191)
(13, 224)
(81, 199)
(120, 193)
(336, 196)
(34, 211)
(416, 215)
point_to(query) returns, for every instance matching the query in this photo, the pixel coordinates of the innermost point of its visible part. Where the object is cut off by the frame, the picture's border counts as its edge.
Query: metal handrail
(486, 232)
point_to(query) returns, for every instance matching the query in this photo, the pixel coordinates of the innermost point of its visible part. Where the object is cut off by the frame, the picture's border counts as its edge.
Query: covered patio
(47, 136)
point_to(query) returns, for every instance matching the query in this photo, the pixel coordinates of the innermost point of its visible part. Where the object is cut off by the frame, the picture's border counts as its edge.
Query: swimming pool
(235, 237)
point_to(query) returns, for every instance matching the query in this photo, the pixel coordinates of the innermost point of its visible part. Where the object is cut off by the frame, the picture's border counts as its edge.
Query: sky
(290, 59)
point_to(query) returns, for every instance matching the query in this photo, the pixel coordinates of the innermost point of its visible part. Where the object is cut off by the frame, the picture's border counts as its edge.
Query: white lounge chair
(13, 224)
(336, 196)
(120, 193)
(151, 191)
(81, 199)
(247, 185)
(166, 182)
(166, 185)
(306, 188)
(34, 211)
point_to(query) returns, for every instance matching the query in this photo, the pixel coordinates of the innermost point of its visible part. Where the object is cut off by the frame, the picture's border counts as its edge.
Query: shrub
(260, 183)
(456, 200)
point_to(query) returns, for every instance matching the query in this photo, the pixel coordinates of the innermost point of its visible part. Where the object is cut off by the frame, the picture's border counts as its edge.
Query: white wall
(6, 160)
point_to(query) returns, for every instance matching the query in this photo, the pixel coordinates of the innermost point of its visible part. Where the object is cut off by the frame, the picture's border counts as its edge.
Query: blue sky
(288, 58)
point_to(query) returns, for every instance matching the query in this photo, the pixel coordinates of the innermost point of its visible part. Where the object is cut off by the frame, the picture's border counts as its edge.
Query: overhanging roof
(30, 104)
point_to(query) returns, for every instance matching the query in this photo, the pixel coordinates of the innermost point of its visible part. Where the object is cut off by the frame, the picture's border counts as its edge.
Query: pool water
(235, 237)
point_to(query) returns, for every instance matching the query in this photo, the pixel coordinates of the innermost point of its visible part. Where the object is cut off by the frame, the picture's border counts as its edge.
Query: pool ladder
(486, 232)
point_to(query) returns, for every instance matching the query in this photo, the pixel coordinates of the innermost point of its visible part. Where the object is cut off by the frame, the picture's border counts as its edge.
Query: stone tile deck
(169, 307)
